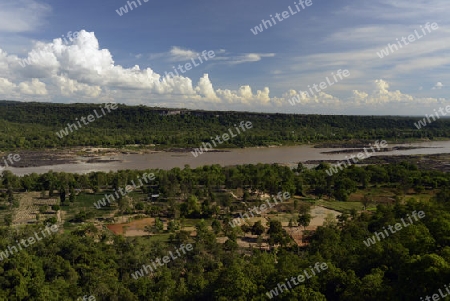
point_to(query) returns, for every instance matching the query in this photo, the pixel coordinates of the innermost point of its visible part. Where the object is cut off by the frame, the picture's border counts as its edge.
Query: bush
(51, 220)
(139, 206)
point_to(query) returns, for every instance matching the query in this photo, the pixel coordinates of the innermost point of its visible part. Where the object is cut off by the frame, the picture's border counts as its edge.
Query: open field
(133, 228)
(340, 206)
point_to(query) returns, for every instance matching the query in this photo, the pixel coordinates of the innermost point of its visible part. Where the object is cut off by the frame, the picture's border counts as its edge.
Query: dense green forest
(83, 260)
(86, 258)
(34, 125)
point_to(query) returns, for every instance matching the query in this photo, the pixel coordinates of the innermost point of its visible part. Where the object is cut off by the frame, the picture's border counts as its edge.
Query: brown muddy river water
(289, 155)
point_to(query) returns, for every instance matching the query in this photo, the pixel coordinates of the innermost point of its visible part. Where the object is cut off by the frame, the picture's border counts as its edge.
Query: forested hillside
(85, 260)
(34, 125)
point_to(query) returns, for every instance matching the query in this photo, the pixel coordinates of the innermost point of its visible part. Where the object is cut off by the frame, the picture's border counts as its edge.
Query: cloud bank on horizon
(282, 62)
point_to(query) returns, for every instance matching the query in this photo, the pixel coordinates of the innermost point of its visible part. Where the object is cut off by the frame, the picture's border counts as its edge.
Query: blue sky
(124, 58)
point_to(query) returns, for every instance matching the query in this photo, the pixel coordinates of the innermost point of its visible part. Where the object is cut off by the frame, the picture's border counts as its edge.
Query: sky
(104, 51)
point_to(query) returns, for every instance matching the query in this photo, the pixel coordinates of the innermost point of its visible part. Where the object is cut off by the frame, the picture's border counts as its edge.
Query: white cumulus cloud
(84, 71)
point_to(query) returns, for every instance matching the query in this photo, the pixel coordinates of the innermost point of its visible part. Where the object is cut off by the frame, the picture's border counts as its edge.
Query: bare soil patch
(134, 228)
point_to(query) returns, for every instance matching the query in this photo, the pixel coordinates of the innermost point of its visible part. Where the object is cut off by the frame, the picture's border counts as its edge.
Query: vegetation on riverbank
(25, 125)
(196, 205)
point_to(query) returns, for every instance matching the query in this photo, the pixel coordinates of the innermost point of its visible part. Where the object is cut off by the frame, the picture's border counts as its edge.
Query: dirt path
(29, 204)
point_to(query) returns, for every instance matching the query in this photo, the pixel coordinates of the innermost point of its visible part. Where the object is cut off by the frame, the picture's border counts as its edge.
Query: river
(288, 155)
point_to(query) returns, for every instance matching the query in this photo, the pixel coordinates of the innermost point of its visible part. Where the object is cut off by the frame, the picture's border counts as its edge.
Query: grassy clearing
(191, 222)
(421, 197)
(284, 217)
(341, 206)
(85, 201)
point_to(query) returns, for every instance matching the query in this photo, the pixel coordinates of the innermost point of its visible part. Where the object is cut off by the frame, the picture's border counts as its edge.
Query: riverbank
(439, 162)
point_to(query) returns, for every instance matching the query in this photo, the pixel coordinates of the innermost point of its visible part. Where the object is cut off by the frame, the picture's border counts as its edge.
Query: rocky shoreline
(439, 162)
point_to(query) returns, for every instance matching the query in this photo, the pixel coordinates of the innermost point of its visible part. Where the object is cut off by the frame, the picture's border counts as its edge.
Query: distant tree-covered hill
(34, 125)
